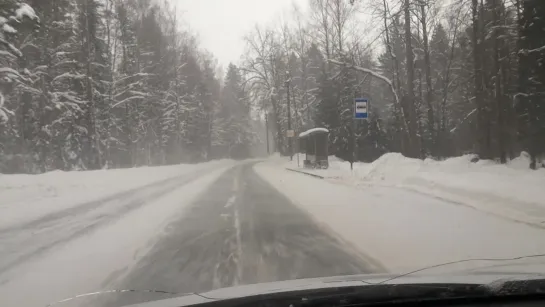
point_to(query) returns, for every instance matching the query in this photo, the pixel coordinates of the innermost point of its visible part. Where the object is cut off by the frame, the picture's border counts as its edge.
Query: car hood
(483, 276)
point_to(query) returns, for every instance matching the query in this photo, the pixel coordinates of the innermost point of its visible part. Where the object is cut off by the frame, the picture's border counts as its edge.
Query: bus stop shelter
(314, 143)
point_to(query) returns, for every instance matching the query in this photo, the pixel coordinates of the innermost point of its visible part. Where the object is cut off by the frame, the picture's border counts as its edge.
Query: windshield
(173, 146)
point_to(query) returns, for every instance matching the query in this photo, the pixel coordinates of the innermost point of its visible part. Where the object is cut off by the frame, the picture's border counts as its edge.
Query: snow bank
(313, 130)
(401, 229)
(512, 191)
(27, 197)
(105, 256)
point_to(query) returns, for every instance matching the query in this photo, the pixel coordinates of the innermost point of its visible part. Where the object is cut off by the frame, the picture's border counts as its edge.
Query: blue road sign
(360, 108)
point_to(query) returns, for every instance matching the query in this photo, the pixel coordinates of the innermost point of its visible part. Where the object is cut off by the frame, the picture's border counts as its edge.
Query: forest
(444, 78)
(93, 84)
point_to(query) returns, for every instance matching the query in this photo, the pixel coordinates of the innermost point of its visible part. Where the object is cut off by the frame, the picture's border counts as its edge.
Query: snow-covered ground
(99, 225)
(27, 197)
(86, 262)
(403, 229)
(511, 191)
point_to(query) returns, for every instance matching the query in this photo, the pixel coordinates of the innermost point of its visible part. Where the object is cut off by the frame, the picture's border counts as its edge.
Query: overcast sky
(221, 24)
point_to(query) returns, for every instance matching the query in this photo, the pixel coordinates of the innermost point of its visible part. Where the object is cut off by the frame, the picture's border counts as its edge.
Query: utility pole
(353, 136)
(290, 145)
(267, 131)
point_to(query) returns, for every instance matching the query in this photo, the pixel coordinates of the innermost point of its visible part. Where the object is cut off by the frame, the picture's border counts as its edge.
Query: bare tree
(262, 66)
(321, 22)
(429, 85)
(409, 99)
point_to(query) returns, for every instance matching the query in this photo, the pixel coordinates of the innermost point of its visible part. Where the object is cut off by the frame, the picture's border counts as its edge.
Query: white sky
(221, 24)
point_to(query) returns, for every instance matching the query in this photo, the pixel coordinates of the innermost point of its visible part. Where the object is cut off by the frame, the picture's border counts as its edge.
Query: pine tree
(54, 68)
(15, 86)
(232, 124)
(101, 84)
(531, 106)
(315, 70)
(88, 85)
(326, 114)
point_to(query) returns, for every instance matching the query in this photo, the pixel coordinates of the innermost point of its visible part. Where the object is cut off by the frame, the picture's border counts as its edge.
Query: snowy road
(217, 229)
(242, 231)
(226, 223)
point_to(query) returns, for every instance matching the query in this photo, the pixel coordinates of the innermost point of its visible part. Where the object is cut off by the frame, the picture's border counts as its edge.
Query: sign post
(360, 108)
(360, 112)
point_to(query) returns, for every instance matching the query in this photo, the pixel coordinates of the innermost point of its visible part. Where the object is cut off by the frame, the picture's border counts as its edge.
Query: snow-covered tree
(232, 133)
(531, 87)
(449, 79)
(15, 82)
(101, 83)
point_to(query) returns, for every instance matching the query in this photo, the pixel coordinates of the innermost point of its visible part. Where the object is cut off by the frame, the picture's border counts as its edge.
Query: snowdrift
(403, 230)
(512, 191)
(26, 197)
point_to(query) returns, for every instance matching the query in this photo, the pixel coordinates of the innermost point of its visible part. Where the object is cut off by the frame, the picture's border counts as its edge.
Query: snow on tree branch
(26, 11)
(10, 47)
(11, 74)
(372, 73)
(463, 120)
(69, 76)
(8, 29)
(127, 100)
(537, 50)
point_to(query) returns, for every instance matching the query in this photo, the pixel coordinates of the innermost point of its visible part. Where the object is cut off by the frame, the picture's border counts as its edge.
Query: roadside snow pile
(512, 191)
(26, 197)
